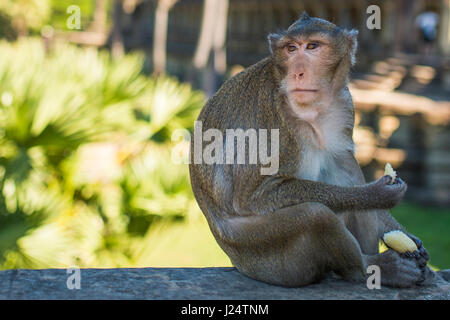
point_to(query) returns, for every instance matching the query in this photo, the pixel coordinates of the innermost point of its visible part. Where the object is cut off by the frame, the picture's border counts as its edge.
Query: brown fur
(317, 214)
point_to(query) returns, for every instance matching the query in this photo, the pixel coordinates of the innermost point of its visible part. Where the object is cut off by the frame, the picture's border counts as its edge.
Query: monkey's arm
(283, 191)
(278, 227)
(386, 220)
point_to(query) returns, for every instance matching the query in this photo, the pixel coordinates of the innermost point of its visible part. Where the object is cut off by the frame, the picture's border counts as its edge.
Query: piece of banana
(399, 241)
(389, 171)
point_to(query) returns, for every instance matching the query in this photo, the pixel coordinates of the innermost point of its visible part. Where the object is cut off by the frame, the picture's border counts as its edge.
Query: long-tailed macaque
(316, 214)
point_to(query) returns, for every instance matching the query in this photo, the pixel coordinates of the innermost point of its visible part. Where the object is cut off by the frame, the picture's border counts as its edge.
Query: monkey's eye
(291, 48)
(312, 45)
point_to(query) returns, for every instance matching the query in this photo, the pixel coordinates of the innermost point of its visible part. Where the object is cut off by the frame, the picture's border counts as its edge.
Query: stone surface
(192, 283)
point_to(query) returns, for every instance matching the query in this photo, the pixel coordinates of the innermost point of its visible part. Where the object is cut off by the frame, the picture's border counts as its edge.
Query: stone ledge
(193, 283)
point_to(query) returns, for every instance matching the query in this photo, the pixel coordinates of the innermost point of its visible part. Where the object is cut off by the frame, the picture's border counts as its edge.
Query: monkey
(316, 215)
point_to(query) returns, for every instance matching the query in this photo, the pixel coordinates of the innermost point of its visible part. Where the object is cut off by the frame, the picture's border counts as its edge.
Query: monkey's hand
(407, 245)
(387, 195)
(420, 255)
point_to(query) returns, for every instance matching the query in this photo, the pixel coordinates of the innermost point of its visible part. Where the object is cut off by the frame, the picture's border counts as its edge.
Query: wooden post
(444, 28)
(99, 23)
(220, 32)
(212, 40)
(160, 35)
(117, 39)
(388, 24)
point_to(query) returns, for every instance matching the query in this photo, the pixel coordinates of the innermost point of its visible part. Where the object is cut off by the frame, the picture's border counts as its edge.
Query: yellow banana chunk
(399, 241)
(389, 171)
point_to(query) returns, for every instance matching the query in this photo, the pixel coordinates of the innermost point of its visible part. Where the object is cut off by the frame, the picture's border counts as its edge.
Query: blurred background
(92, 90)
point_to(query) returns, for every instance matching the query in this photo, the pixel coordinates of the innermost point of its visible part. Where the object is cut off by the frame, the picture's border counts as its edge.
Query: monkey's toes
(416, 256)
(426, 277)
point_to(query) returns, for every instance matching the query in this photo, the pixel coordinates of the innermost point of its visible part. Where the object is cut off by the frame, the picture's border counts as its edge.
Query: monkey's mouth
(303, 90)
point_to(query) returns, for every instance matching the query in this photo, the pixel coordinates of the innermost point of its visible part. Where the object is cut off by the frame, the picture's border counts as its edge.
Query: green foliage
(59, 15)
(85, 157)
(23, 16)
(432, 226)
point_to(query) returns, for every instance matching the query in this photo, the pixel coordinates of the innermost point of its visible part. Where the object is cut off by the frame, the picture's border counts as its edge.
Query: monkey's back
(246, 101)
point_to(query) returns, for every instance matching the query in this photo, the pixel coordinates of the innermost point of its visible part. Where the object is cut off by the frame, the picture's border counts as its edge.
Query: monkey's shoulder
(253, 75)
(243, 100)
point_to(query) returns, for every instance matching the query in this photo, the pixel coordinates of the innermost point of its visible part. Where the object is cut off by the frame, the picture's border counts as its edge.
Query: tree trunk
(204, 44)
(444, 24)
(99, 23)
(117, 39)
(220, 32)
(160, 35)
(212, 39)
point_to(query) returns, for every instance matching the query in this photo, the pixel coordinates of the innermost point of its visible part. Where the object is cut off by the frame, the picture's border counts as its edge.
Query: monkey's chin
(303, 98)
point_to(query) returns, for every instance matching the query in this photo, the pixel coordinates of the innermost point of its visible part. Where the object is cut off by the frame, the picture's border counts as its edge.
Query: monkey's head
(312, 57)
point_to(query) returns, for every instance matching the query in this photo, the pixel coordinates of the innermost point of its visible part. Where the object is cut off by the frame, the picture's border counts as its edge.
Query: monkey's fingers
(417, 256)
(426, 277)
(416, 240)
(424, 253)
(406, 254)
(398, 181)
(421, 256)
(421, 249)
(421, 261)
(384, 180)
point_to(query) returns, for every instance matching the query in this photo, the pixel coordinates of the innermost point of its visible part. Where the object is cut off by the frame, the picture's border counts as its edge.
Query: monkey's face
(307, 63)
(307, 56)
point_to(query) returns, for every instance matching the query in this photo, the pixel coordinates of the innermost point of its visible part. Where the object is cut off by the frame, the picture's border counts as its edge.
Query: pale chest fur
(323, 143)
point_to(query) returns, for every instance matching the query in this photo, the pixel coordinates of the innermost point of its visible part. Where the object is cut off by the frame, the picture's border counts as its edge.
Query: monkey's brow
(311, 38)
(313, 33)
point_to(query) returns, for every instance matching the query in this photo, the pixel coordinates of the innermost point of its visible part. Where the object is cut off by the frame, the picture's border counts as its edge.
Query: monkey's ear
(274, 39)
(352, 37)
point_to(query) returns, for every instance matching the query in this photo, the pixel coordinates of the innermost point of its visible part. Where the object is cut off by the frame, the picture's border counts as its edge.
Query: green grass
(432, 226)
(185, 244)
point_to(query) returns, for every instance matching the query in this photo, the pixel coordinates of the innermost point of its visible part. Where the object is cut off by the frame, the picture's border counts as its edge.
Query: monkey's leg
(293, 246)
(396, 270)
(363, 226)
